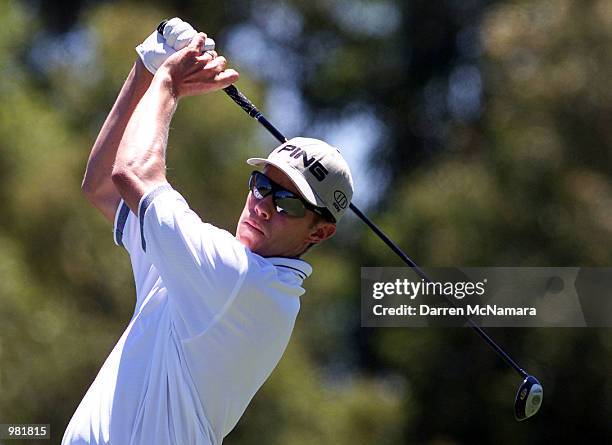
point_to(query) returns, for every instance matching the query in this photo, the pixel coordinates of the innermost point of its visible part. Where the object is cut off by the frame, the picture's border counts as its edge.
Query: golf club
(530, 394)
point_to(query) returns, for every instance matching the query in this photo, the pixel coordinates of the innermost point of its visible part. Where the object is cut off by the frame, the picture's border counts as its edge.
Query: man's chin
(250, 241)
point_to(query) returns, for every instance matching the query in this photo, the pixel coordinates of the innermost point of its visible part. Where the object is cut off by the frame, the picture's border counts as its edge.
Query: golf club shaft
(252, 111)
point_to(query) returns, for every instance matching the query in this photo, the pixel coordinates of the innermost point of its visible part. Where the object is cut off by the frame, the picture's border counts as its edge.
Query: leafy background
(479, 133)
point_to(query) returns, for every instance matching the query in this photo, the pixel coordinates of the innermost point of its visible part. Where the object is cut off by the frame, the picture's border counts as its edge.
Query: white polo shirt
(212, 320)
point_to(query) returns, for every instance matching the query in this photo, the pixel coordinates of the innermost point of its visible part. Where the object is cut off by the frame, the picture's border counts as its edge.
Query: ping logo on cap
(315, 167)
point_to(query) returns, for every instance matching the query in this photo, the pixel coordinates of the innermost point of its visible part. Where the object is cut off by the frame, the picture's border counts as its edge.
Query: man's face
(270, 233)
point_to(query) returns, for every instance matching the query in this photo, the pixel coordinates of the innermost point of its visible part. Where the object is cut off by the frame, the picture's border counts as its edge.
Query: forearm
(141, 158)
(97, 184)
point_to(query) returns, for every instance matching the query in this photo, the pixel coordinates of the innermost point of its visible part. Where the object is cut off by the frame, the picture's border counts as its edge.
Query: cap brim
(295, 176)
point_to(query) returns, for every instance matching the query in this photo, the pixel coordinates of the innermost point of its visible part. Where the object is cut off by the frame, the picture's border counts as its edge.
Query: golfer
(214, 311)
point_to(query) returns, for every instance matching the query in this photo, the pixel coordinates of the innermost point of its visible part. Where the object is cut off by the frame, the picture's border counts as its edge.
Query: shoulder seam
(144, 205)
(122, 216)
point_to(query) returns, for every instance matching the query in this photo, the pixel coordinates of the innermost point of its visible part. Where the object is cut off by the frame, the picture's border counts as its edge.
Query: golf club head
(528, 398)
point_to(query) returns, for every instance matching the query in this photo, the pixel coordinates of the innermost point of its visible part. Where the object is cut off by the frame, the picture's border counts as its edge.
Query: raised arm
(97, 183)
(141, 159)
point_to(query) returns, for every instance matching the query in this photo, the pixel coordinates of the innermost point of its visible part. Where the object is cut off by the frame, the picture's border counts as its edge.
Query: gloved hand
(157, 47)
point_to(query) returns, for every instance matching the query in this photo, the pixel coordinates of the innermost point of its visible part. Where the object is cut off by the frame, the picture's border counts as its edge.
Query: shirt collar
(299, 266)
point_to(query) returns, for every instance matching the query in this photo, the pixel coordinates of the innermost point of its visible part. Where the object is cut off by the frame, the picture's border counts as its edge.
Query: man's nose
(265, 207)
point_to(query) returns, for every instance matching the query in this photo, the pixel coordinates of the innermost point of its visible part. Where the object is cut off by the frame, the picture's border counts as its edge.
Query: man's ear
(321, 232)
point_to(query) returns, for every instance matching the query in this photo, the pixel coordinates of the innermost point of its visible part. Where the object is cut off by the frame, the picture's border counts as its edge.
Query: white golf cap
(317, 169)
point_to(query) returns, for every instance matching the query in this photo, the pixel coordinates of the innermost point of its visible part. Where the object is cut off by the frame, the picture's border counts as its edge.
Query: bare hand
(191, 72)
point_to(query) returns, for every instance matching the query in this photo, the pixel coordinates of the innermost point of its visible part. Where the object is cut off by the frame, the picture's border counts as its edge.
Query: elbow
(90, 188)
(122, 177)
(126, 179)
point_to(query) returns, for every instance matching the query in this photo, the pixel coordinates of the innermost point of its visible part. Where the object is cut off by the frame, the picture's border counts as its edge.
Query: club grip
(242, 101)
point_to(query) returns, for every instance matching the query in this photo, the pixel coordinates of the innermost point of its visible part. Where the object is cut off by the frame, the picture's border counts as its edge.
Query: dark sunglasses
(284, 201)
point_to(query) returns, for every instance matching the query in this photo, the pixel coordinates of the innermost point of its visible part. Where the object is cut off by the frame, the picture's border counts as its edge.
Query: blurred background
(479, 133)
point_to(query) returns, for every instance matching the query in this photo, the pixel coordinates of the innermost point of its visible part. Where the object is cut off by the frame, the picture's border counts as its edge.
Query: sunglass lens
(290, 205)
(259, 185)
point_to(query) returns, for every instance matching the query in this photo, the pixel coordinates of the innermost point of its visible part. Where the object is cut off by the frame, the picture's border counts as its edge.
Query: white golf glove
(157, 47)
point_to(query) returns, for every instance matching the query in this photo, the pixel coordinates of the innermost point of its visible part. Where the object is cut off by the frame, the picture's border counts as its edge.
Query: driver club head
(528, 398)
